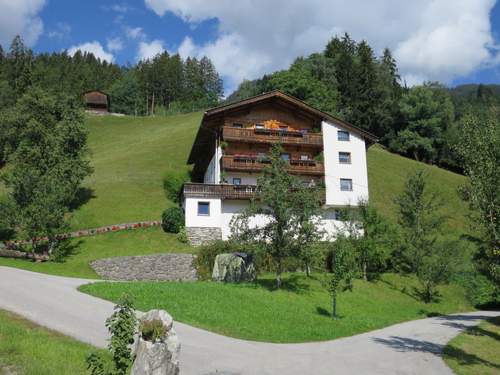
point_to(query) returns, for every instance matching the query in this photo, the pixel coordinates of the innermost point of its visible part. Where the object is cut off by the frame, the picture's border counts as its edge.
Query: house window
(285, 157)
(344, 157)
(237, 125)
(203, 208)
(236, 181)
(304, 157)
(346, 184)
(259, 126)
(342, 135)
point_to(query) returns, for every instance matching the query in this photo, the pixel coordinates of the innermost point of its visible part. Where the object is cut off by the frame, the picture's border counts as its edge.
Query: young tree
(287, 206)
(479, 148)
(433, 262)
(373, 244)
(122, 327)
(47, 163)
(342, 269)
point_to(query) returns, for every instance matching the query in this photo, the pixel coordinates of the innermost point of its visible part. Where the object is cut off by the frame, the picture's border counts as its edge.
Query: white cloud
(114, 44)
(92, 47)
(62, 31)
(134, 32)
(20, 17)
(431, 39)
(149, 50)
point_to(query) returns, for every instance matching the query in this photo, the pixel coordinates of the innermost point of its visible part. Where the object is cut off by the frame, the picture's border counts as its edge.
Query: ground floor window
(346, 184)
(203, 208)
(236, 181)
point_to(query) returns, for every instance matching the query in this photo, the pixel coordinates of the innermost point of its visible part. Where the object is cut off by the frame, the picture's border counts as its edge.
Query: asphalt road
(407, 348)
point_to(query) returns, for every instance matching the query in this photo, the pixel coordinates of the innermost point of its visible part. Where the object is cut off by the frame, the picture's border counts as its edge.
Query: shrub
(182, 235)
(152, 330)
(172, 220)
(480, 291)
(207, 253)
(172, 183)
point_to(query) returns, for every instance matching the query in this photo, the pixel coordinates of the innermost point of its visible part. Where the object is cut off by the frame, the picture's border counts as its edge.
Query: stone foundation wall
(202, 235)
(167, 267)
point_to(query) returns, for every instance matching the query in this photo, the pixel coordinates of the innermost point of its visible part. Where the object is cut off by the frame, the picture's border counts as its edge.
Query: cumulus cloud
(431, 39)
(114, 44)
(20, 17)
(92, 47)
(149, 50)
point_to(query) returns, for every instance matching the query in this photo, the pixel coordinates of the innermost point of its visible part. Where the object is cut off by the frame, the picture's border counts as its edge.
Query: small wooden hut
(97, 101)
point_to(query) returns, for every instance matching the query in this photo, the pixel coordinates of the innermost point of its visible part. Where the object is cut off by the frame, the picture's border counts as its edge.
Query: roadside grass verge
(300, 312)
(28, 349)
(83, 250)
(476, 350)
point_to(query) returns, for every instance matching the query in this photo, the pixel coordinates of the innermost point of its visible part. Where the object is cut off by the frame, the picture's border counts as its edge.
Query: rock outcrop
(159, 356)
(234, 268)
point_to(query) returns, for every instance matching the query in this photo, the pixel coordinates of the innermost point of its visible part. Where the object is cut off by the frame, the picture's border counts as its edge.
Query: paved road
(407, 348)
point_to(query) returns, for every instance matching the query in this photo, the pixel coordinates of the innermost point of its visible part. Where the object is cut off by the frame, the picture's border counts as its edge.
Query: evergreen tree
(364, 103)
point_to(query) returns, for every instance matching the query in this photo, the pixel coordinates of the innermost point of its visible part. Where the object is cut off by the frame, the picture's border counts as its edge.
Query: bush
(172, 220)
(172, 183)
(207, 253)
(480, 291)
(153, 330)
(182, 235)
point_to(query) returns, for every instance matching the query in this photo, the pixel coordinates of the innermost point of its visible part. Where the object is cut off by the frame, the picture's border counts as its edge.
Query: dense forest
(348, 80)
(165, 83)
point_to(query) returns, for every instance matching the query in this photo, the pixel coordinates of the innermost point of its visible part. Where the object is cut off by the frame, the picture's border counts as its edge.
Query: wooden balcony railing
(223, 191)
(272, 136)
(248, 163)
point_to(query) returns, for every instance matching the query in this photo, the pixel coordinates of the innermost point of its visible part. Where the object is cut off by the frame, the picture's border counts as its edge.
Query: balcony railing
(272, 136)
(249, 163)
(222, 191)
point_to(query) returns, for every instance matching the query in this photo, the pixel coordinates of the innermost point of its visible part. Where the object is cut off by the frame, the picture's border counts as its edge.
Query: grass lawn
(28, 349)
(475, 351)
(298, 313)
(85, 249)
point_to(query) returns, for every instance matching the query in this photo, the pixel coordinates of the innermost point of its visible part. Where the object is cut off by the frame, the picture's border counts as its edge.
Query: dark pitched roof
(204, 132)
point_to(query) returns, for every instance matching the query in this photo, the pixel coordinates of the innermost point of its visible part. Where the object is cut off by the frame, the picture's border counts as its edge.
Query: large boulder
(161, 356)
(233, 268)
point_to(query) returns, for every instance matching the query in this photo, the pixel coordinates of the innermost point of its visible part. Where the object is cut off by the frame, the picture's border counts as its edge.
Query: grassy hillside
(131, 155)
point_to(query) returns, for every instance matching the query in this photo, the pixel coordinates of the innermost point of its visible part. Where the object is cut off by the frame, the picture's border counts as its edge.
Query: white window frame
(343, 132)
(345, 180)
(348, 154)
(203, 203)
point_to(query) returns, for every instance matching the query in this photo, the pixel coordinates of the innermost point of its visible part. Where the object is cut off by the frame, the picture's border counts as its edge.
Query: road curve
(406, 348)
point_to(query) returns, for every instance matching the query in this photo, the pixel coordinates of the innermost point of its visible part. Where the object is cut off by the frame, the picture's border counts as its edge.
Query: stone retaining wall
(201, 235)
(158, 267)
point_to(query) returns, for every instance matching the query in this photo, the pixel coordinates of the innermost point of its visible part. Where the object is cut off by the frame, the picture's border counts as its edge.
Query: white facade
(356, 170)
(223, 211)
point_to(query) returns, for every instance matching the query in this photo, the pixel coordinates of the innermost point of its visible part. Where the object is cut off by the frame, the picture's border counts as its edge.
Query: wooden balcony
(253, 135)
(248, 163)
(222, 191)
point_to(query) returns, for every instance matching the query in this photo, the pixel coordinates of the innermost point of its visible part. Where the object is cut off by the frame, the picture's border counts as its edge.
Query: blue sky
(453, 41)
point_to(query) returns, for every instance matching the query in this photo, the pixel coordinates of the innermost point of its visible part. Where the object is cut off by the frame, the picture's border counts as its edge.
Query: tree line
(164, 83)
(349, 81)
